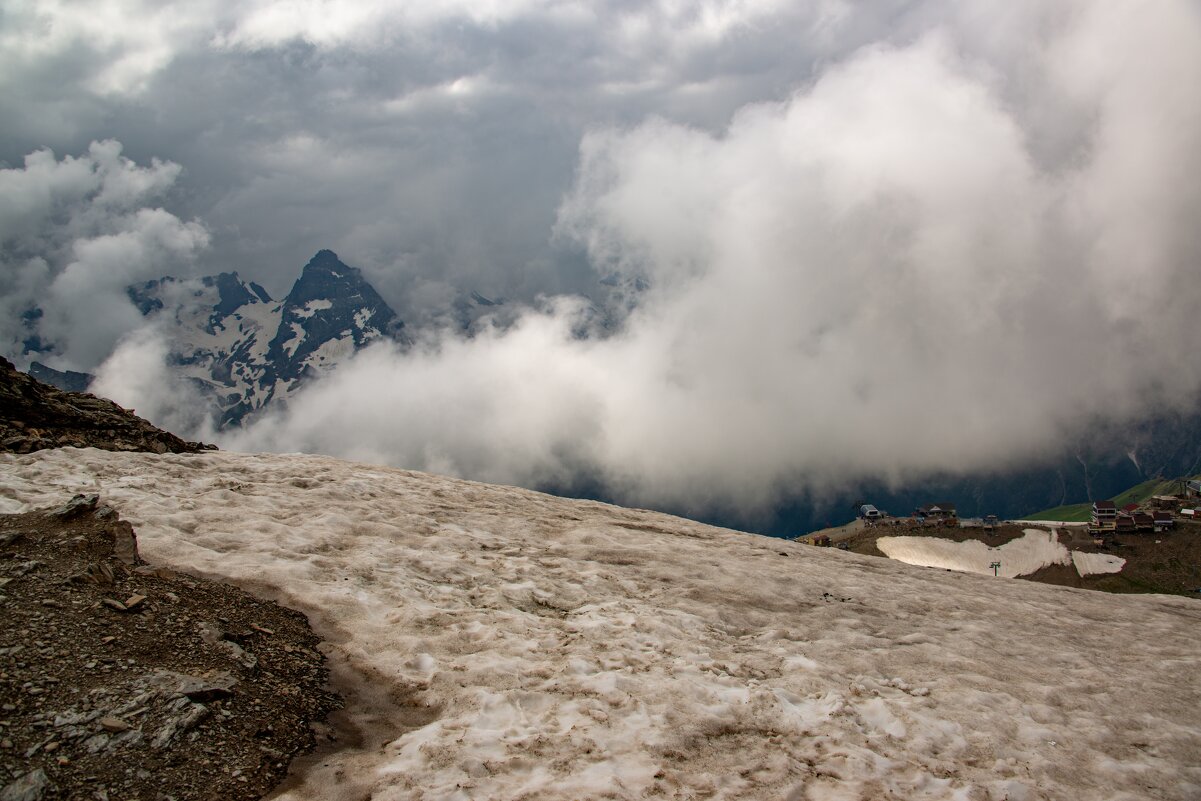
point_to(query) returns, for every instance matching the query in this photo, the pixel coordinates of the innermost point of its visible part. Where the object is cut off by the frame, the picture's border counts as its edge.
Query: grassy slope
(1082, 512)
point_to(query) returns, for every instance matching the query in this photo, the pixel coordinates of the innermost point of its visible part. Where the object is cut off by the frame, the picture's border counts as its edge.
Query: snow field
(512, 645)
(1035, 550)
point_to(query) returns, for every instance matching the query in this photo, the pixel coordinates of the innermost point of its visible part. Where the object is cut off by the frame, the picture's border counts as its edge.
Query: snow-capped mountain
(243, 349)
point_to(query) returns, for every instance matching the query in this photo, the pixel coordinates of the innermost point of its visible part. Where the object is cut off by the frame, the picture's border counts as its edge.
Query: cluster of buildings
(934, 514)
(1130, 519)
(1155, 515)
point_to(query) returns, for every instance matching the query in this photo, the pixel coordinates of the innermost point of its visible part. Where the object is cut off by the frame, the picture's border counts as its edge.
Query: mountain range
(244, 350)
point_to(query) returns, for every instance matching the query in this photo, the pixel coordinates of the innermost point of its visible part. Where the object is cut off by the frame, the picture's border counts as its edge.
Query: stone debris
(214, 636)
(122, 680)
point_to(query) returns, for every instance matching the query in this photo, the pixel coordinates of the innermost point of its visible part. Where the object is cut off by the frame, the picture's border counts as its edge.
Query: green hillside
(1082, 512)
(1072, 513)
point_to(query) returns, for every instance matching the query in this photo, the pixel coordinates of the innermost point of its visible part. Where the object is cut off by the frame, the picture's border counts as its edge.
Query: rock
(113, 724)
(80, 504)
(212, 635)
(96, 743)
(102, 574)
(194, 714)
(125, 542)
(34, 415)
(134, 601)
(113, 603)
(30, 787)
(212, 685)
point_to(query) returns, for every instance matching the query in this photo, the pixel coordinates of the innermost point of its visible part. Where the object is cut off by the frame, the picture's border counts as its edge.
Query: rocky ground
(34, 416)
(119, 680)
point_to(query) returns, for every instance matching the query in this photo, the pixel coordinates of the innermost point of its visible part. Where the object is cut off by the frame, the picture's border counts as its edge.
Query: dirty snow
(1088, 564)
(506, 644)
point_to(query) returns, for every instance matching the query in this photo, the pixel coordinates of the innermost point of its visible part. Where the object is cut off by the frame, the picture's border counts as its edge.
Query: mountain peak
(328, 262)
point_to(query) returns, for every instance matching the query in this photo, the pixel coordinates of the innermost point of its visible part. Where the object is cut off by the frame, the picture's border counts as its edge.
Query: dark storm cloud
(428, 143)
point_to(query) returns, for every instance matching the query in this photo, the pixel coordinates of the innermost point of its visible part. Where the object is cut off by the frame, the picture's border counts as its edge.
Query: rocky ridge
(34, 416)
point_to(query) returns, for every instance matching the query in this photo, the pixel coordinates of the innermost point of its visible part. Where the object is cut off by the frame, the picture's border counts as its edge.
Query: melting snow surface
(513, 645)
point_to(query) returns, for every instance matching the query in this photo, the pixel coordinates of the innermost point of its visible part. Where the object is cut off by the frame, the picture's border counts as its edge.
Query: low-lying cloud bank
(891, 274)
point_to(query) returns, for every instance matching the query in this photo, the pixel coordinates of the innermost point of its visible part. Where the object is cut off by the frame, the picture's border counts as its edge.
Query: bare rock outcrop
(35, 416)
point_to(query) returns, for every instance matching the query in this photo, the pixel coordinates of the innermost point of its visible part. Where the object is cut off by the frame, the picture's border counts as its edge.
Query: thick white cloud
(875, 278)
(74, 233)
(136, 376)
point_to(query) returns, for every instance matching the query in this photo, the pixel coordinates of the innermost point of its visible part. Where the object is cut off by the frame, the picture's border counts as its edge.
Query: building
(1105, 514)
(937, 511)
(1163, 521)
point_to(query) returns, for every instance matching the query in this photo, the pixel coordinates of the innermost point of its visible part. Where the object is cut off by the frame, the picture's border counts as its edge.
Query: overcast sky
(880, 238)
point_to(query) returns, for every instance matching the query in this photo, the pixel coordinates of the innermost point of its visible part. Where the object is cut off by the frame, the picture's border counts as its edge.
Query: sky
(879, 240)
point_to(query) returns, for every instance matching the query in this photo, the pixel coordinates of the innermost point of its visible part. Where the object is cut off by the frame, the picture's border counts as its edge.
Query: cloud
(138, 377)
(877, 278)
(74, 233)
(879, 240)
(458, 122)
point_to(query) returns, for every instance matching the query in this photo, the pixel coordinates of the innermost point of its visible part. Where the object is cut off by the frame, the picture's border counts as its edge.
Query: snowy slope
(518, 645)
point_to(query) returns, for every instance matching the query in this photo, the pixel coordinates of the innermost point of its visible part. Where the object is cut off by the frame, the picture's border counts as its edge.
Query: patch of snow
(1088, 564)
(539, 647)
(331, 352)
(294, 342)
(1035, 550)
(362, 317)
(312, 307)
